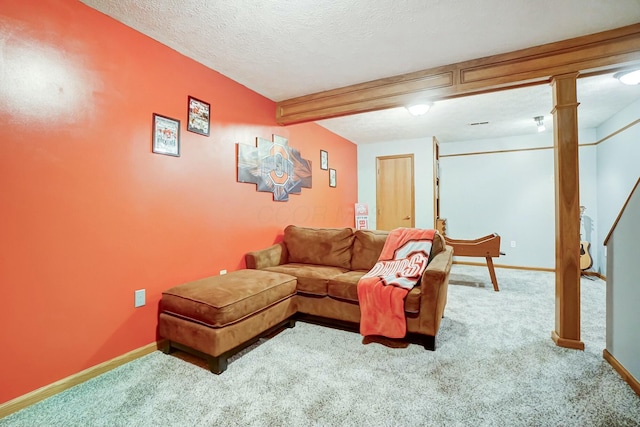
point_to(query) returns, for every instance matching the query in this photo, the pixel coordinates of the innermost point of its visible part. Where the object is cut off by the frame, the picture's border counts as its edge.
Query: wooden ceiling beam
(595, 53)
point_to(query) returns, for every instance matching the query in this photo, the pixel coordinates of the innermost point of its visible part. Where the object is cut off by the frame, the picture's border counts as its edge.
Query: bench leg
(492, 273)
(291, 323)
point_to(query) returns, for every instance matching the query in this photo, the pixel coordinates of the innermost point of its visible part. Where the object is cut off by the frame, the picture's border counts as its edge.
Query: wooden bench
(487, 246)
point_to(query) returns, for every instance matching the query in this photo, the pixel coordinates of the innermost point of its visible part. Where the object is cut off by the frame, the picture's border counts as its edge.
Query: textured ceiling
(287, 48)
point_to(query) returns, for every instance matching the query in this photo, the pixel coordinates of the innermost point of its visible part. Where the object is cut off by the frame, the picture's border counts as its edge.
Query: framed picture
(166, 135)
(324, 160)
(332, 178)
(199, 118)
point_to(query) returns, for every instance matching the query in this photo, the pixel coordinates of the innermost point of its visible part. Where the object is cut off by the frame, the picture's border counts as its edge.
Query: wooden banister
(615, 223)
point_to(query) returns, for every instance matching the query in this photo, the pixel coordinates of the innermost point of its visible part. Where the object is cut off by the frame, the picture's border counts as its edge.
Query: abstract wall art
(274, 167)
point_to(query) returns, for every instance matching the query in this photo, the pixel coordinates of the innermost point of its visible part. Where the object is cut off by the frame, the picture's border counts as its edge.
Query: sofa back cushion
(368, 245)
(320, 246)
(367, 248)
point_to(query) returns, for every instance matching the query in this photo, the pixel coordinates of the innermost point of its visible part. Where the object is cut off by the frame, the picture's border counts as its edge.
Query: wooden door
(394, 192)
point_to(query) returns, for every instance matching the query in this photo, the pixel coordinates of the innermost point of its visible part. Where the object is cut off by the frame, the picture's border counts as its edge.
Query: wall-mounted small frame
(332, 178)
(166, 135)
(199, 116)
(324, 160)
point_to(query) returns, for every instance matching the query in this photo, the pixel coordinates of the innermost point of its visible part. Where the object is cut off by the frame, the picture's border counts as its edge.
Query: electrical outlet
(513, 243)
(223, 272)
(140, 298)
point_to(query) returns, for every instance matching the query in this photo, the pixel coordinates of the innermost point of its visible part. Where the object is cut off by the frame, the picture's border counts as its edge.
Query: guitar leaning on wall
(585, 258)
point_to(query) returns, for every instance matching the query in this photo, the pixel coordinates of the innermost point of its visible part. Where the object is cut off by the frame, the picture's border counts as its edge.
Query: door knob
(406, 217)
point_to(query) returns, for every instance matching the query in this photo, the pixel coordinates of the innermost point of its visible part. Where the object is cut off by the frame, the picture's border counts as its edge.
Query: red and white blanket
(382, 291)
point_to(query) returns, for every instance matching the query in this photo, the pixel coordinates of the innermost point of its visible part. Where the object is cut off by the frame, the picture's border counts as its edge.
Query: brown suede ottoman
(216, 316)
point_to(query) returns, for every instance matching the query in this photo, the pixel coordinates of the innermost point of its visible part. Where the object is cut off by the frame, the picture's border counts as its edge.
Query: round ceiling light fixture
(419, 109)
(629, 77)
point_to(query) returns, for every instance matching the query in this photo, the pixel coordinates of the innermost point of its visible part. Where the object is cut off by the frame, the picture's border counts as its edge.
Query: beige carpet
(495, 365)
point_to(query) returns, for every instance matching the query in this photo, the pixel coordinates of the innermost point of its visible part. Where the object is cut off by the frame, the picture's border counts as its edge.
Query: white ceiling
(287, 48)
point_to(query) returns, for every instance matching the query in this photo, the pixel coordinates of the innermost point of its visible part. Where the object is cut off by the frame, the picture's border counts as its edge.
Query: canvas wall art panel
(274, 167)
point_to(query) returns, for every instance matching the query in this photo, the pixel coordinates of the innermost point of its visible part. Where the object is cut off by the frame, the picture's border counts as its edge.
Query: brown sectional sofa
(312, 274)
(328, 262)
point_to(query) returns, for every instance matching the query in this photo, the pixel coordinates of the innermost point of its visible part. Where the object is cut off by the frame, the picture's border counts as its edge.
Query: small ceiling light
(629, 77)
(540, 123)
(419, 109)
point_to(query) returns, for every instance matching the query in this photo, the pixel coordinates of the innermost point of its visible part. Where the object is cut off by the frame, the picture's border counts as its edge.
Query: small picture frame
(199, 119)
(166, 135)
(332, 178)
(324, 160)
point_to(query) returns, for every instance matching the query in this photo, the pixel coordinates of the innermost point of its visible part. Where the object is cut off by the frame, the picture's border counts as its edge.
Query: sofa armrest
(269, 257)
(434, 286)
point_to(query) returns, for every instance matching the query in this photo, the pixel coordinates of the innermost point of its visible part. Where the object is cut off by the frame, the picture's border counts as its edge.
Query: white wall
(618, 168)
(589, 199)
(422, 150)
(510, 193)
(623, 289)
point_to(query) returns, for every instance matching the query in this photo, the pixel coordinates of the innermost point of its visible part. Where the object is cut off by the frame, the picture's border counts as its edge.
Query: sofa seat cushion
(345, 287)
(312, 279)
(218, 301)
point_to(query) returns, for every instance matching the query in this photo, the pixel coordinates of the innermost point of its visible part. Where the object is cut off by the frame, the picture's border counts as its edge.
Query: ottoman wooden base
(218, 364)
(218, 316)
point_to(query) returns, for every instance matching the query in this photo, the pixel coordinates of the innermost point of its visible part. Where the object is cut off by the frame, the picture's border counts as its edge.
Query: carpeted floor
(495, 365)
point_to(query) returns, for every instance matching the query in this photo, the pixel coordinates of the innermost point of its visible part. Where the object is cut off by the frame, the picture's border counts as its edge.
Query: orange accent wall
(89, 214)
